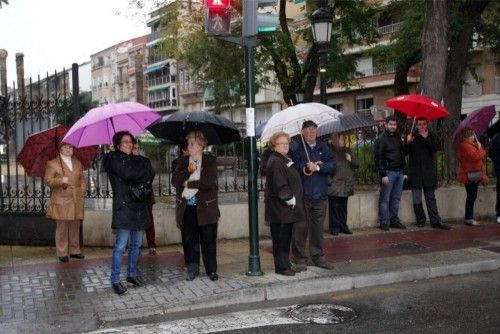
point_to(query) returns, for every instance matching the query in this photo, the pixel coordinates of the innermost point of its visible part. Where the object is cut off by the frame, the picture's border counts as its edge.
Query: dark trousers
(312, 226)
(150, 232)
(471, 189)
(337, 209)
(430, 201)
(281, 235)
(194, 236)
(497, 207)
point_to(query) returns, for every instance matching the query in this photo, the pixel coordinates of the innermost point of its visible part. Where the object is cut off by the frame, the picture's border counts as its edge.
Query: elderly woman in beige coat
(64, 176)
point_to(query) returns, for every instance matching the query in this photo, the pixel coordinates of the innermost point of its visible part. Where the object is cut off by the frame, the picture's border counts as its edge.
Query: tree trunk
(401, 86)
(434, 48)
(469, 13)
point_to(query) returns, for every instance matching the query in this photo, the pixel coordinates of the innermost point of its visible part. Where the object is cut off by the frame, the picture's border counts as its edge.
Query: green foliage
(64, 113)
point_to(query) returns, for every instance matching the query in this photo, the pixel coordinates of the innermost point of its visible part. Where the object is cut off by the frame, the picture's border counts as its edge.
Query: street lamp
(321, 22)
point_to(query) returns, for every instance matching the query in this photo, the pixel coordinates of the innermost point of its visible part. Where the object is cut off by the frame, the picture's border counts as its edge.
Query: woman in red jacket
(471, 161)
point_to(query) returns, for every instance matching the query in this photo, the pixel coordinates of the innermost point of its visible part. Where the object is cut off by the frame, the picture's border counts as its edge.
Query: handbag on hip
(475, 176)
(140, 192)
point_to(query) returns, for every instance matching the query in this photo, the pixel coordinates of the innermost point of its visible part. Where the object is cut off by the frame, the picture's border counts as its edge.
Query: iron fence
(49, 101)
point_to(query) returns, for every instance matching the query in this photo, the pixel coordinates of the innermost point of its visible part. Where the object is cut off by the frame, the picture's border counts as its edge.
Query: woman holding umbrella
(197, 212)
(471, 171)
(64, 176)
(127, 173)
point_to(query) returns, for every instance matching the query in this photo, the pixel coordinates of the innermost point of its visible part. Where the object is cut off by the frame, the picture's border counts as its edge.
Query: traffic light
(255, 22)
(217, 17)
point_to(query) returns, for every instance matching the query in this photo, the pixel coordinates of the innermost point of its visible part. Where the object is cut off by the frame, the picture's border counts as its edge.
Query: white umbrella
(290, 119)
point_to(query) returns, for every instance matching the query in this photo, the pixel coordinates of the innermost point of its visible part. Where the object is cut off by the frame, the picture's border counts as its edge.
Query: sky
(53, 34)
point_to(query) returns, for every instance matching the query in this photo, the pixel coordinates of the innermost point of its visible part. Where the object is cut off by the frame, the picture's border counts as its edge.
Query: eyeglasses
(126, 142)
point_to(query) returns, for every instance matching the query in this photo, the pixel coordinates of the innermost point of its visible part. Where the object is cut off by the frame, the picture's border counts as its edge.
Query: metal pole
(322, 95)
(254, 268)
(76, 92)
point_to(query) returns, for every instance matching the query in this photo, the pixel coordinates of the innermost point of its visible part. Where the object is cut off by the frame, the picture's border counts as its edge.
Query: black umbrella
(218, 129)
(493, 129)
(345, 123)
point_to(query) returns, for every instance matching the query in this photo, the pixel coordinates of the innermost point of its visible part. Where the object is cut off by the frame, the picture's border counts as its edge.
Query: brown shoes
(285, 272)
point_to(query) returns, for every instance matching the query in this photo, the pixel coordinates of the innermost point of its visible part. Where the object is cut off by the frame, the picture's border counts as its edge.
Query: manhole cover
(322, 313)
(407, 246)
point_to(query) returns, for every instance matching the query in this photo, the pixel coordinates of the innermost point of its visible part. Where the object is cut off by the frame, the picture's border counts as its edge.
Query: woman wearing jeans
(130, 217)
(470, 157)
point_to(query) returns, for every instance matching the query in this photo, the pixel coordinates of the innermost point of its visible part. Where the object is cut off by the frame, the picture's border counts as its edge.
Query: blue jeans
(390, 195)
(122, 237)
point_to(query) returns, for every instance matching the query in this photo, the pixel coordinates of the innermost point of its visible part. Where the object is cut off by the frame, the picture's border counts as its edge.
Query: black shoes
(335, 232)
(119, 288)
(63, 258)
(135, 281)
(213, 276)
(191, 275)
(77, 256)
(347, 231)
(397, 225)
(420, 224)
(384, 227)
(285, 272)
(442, 226)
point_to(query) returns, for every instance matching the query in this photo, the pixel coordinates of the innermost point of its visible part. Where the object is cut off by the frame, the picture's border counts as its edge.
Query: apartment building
(117, 72)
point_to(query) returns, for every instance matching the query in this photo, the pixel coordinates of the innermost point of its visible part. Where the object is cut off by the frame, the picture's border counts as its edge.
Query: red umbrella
(478, 120)
(41, 147)
(417, 106)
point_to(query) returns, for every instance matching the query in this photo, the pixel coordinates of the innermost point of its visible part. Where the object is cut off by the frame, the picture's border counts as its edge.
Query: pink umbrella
(100, 124)
(478, 120)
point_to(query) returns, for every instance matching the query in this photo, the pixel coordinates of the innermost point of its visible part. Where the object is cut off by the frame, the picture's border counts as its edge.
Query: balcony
(154, 36)
(161, 80)
(156, 58)
(390, 29)
(164, 103)
(375, 71)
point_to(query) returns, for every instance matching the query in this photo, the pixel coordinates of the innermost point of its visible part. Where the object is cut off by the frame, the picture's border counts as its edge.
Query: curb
(306, 287)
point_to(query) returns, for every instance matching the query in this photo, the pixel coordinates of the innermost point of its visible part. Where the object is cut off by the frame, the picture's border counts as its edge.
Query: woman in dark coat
(341, 185)
(283, 199)
(130, 217)
(197, 212)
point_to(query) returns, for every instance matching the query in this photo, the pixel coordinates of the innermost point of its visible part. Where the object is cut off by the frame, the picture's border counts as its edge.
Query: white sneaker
(498, 220)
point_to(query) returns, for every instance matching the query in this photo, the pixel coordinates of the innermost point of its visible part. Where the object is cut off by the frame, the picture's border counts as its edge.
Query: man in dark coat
(494, 153)
(421, 148)
(314, 168)
(130, 217)
(390, 164)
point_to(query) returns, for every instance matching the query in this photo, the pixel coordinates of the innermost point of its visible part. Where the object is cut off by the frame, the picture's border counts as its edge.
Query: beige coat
(65, 204)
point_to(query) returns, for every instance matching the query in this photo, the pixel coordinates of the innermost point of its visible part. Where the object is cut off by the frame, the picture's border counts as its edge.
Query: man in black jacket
(390, 164)
(421, 148)
(494, 153)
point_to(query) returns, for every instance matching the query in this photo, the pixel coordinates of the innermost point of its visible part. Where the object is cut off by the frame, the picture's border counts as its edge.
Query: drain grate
(495, 249)
(323, 314)
(407, 246)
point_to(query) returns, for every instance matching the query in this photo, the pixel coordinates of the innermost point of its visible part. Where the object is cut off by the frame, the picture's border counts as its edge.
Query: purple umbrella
(100, 124)
(478, 120)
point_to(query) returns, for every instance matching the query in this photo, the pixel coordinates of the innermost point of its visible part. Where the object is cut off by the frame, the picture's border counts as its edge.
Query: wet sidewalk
(38, 292)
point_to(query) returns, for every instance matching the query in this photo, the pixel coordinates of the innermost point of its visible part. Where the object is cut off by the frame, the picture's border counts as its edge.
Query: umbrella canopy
(345, 123)
(99, 125)
(290, 119)
(418, 106)
(41, 147)
(478, 120)
(218, 129)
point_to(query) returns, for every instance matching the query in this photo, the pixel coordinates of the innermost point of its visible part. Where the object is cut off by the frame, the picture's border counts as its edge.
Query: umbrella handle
(305, 150)
(413, 125)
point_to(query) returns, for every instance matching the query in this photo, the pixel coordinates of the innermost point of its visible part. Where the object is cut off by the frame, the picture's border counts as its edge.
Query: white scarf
(187, 193)
(67, 161)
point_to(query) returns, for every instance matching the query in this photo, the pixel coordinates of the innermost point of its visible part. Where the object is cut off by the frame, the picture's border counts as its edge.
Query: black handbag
(140, 192)
(475, 176)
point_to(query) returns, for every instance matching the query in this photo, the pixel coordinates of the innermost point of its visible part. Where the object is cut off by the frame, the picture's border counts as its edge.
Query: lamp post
(321, 22)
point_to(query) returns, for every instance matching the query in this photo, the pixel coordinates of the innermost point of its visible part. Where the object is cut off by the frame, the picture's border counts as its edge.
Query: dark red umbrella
(478, 120)
(41, 147)
(418, 106)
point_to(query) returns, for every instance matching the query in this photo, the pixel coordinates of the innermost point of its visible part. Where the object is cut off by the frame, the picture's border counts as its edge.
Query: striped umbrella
(345, 123)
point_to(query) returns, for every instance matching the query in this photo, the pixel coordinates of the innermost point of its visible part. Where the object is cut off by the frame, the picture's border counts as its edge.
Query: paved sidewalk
(37, 292)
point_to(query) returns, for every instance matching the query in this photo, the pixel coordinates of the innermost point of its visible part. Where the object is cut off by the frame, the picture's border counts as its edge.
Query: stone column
(3, 72)
(20, 74)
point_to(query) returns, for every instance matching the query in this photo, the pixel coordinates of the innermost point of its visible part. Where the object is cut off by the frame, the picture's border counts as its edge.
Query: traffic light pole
(254, 268)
